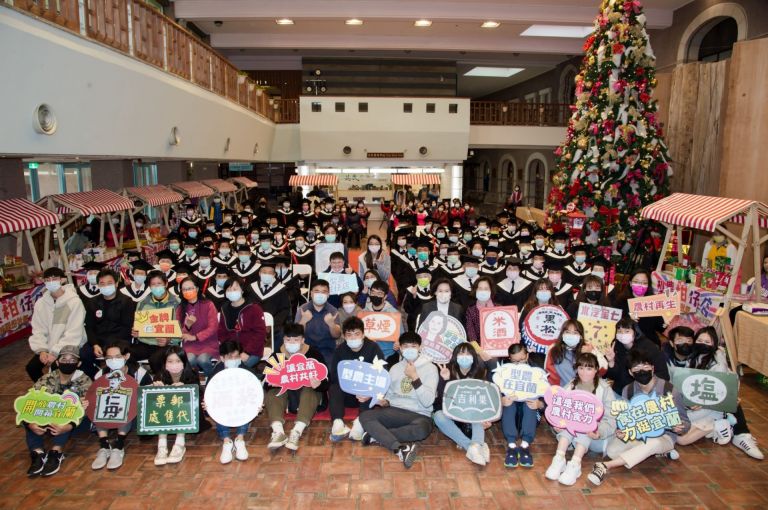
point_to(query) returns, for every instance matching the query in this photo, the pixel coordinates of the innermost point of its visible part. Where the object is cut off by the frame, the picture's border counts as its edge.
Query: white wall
(108, 104)
(287, 144)
(515, 137)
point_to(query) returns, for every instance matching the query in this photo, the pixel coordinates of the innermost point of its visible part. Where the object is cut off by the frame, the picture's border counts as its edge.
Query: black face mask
(376, 300)
(593, 295)
(643, 376)
(67, 368)
(699, 349)
(684, 349)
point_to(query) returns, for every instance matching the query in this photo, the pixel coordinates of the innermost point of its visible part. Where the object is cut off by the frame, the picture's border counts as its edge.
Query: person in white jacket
(58, 319)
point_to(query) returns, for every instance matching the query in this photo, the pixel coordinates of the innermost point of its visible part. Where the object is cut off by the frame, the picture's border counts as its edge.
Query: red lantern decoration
(575, 220)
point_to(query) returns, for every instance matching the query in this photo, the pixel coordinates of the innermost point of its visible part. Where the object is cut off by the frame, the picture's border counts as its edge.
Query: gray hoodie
(401, 393)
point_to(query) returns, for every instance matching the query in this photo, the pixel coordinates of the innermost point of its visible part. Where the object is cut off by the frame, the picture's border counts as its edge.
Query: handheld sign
(340, 283)
(521, 382)
(440, 334)
(665, 305)
(160, 323)
(113, 400)
(43, 408)
(645, 416)
(499, 329)
(711, 390)
(362, 379)
(542, 327)
(295, 372)
(381, 326)
(323, 253)
(576, 411)
(599, 324)
(233, 397)
(169, 409)
(471, 401)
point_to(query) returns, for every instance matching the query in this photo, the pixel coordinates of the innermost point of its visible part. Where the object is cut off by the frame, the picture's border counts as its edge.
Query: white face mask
(374, 248)
(292, 347)
(571, 339)
(348, 307)
(625, 338)
(443, 297)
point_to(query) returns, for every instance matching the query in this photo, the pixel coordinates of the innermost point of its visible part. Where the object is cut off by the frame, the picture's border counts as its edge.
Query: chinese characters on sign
(169, 409)
(160, 323)
(113, 400)
(710, 390)
(440, 334)
(599, 324)
(573, 410)
(233, 397)
(381, 326)
(499, 328)
(521, 382)
(16, 310)
(471, 401)
(340, 283)
(364, 379)
(645, 416)
(659, 305)
(542, 327)
(43, 408)
(294, 373)
(323, 253)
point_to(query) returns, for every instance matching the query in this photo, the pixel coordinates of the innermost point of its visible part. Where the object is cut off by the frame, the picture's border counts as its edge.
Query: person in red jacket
(440, 215)
(242, 321)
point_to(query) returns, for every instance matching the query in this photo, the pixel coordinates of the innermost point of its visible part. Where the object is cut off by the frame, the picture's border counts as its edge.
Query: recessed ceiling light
(422, 23)
(576, 32)
(354, 21)
(284, 21)
(490, 24)
(493, 72)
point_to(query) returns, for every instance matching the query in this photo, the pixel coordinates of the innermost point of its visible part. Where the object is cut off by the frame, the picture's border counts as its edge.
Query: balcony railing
(506, 113)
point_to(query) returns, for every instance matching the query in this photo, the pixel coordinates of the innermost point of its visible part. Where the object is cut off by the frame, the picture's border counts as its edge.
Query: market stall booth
(329, 183)
(158, 197)
(243, 184)
(417, 182)
(226, 189)
(194, 190)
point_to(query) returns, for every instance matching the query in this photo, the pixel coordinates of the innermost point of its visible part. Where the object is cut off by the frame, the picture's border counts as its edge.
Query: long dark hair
(188, 375)
(592, 280)
(557, 351)
(703, 362)
(532, 301)
(586, 359)
(369, 263)
(489, 281)
(476, 371)
(626, 291)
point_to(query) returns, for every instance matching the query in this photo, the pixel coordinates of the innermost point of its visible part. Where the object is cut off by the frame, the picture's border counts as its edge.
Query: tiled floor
(348, 476)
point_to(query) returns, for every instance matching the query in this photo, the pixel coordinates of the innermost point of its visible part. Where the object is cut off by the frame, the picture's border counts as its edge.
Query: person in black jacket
(628, 337)
(108, 316)
(272, 296)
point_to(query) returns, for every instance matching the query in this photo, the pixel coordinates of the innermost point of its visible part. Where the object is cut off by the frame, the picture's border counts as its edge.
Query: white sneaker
(748, 444)
(161, 459)
(571, 473)
(293, 440)
(226, 452)
(101, 458)
(116, 458)
(339, 431)
(486, 452)
(475, 454)
(723, 432)
(277, 440)
(356, 434)
(556, 468)
(241, 453)
(177, 454)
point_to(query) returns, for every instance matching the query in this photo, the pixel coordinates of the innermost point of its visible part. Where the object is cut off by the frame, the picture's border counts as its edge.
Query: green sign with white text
(169, 409)
(710, 390)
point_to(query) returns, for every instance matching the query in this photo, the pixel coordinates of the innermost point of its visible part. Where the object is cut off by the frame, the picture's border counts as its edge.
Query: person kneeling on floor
(404, 417)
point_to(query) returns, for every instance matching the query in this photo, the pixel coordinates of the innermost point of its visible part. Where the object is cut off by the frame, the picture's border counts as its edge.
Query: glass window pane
(48, 178)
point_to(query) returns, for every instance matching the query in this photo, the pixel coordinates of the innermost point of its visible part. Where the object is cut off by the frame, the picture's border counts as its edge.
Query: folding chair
(270, 323)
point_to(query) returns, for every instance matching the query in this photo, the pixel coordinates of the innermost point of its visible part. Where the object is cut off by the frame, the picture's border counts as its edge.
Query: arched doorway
(537, 179)
(717, 41)
(713, 23)
(507, 177)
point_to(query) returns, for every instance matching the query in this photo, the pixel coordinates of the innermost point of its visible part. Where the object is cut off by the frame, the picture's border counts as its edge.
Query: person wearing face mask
(562, 289)
(337, 264)
(376, 257)
(463, 283)
(443, 302)
(440, 215)
(592, 292)
(242, 320)
(216, 211)
(452, 267)
(117, 357)
(540, 293)
(65, 377)
(577, 268)
(279, 243)
(417, 295)
(90, 287)
(601, 268)
(265, 251)
(58, 318)
(148, 347)
(326, 211)
(354, 346)
(525, 251)
(286, 215)
(224, 256)
(513, 289)
(301, 252)
(109, 316)
(639, 286)
(540, 240)
(204, 272)
(377, 302)
(320, 319)
(369, 278)
(403, 417)
(558, 250)
(561, 357)
(306, 211)
(355, 225)
(190, 218)
(349, 308)
(183, 271)
(189, 252)
(199, 326)
(165, 262)
(631, 453)
(423, 258)
(247, 264)
(628, 337)
(215, 291)
(137, 289)
(537, 270)
(273, 298)
(483, 295)
(175, 243)
(492, 264)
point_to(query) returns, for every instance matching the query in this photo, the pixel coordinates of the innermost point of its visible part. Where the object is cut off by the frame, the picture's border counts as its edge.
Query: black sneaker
(598, 473)
(407, 454)
(525, 457)
(367, 440)
(38, 462)
(52, 463)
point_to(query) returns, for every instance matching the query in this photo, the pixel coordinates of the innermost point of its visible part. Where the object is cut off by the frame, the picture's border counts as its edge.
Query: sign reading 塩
(599, 324)
(362, 379)
(645, 416)
(233, 397)
(542, 327)
(471, 401)
(658, 305)
(296, 372)
(440, 334)
(576, 411)
(340, 283)
(499, 329)
(113, 400)
(43, 408)
(169, 409)
(710, 390)
(521, 382)
(160, 323)
(381, 326)
(323, 253)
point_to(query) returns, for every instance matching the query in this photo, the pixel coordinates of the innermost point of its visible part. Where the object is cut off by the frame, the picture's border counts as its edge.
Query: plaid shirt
(78, 384)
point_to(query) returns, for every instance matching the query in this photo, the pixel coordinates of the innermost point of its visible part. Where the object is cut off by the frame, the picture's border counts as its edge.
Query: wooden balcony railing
(286, 111)
(505, 113)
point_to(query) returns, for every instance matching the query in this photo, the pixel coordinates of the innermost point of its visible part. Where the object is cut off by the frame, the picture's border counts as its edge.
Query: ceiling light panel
(494, 72)
(576, 32)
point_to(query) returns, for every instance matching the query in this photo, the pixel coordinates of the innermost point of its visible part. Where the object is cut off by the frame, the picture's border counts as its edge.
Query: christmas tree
(613, 161)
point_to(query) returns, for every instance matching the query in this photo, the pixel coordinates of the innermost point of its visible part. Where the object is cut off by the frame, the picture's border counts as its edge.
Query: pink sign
(499, 329)
(657, 305)
(576, 411)
(296, 372)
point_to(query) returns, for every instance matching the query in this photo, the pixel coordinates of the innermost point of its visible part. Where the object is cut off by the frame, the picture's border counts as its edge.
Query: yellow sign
(599, 324)
(160, 323)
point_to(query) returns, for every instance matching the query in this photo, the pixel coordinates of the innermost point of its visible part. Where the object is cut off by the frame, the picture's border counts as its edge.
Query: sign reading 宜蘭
(169, 409)
(323, 253)
(233, 397)
(710, 390)
(159, 323)
(362, 379)
(599, 324)
(499, 328)
(645, 416)
(440, 334)
(43, 408)
(471, 401)
(295, 372)
(658, 305)
(542, 327)
(381, 326)
(340, 283)
(576, 411)
(521, 382)
(113, 400)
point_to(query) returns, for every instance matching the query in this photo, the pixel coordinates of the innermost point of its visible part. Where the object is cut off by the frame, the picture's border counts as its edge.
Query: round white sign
(233, 397)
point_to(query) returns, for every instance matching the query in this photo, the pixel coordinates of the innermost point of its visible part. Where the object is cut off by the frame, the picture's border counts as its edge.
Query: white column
(304, 170)
(456, 176)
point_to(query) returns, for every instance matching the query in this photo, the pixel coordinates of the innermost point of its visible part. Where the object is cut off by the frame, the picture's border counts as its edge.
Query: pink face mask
(174, 367)
(638, 289)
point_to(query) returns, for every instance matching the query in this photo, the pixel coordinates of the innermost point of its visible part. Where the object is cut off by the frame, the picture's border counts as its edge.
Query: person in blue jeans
(526, 412)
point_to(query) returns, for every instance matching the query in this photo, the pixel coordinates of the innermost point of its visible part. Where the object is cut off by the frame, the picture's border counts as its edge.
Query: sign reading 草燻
(169, 409)
(362, 379)
(645, 416)
(113, 400)
(43, 408)
(160, 323)
(381, 326)
(471, 401)
(499, 328)
(573, 410)
(542, 327)
(711, 390)
(440, 334)
(296, 372)
(521, 382)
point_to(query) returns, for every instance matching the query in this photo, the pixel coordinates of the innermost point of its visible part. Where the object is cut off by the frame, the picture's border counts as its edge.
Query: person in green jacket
(147, 347)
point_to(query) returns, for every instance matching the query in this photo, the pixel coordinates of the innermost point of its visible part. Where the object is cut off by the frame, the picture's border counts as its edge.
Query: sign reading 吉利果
(471, 401)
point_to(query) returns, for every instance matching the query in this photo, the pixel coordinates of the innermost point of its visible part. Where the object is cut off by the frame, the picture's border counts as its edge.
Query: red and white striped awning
(18, 214)
(154, 195)
(314, 180)
(220, 185)
(411, 179)
(244, 182)
(98, 201)
(192, 189)
(696, 211)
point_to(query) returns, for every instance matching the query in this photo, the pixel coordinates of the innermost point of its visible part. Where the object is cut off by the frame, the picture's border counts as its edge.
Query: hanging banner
(43, 408)
(499, 328)
(711, 390)
(158, 323)
(542, 327)
(363, 379)
(645, 416)
(521, 382)
(113, 400)
(340, 283)
(576, 411)
(381, 326)
(294, 373)
(471, 401)
(169, 409)
(665, 305)
(599, 324)
(233, 397)
(16, 313)
(323, 252)
(440, 334)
